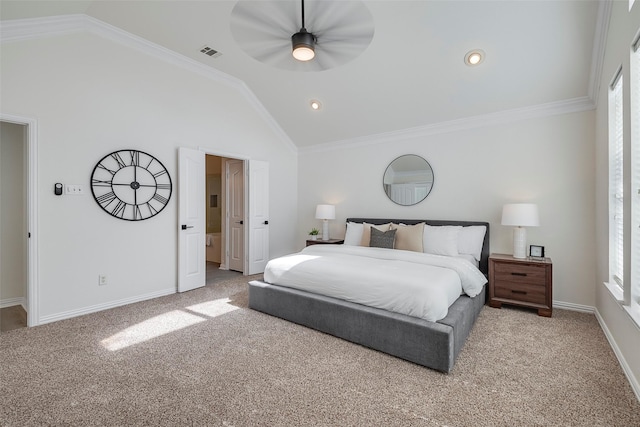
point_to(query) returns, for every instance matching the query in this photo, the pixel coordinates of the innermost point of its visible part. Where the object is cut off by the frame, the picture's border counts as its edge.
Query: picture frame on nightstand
(536, 252)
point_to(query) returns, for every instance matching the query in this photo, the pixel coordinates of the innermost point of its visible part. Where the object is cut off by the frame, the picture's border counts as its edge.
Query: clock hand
(135, 188)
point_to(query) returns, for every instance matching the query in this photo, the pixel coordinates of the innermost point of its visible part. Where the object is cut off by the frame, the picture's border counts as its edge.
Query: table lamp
(325, 213)
(520, 215)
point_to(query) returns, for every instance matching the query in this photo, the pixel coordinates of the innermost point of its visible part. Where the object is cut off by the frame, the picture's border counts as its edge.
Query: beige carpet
(203, 359)
(12, 318)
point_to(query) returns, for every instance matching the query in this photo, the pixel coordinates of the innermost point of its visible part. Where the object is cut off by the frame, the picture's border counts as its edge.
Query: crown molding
(501, 117)
(34, 28)
(599, 45)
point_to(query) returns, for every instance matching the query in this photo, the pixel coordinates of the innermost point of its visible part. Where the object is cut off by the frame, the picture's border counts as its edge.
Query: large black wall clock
(131, 185)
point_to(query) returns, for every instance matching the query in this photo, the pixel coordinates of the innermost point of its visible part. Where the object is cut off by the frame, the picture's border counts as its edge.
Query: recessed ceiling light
(315, 104)
(474, 57)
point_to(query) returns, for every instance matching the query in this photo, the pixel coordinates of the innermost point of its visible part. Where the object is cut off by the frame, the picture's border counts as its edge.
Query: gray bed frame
(435, 345)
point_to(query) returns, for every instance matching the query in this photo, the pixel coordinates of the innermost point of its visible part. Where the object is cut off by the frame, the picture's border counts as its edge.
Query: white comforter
(411, 283)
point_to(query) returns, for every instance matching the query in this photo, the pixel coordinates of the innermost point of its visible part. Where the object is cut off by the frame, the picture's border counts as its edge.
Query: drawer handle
(519, 292)
(519, 274)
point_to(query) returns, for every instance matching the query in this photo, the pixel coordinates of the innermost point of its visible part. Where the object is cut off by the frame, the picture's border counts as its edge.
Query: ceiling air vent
(210, 52)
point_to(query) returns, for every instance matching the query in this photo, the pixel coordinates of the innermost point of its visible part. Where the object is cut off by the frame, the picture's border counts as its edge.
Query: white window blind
(635, 172)
(616, 190)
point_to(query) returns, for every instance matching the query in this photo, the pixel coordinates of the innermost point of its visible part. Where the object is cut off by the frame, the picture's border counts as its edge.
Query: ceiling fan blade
(261, 49)
(262, 19)
(326, 61)
(330, 57)
(331, 15)
(354, 40)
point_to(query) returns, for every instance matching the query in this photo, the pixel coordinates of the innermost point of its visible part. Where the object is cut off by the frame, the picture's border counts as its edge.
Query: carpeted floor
(12, 318)
(202, 358)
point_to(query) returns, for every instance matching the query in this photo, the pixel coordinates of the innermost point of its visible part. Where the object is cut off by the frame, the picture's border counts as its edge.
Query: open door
(258, 239)
(235, 215)
(191, 219)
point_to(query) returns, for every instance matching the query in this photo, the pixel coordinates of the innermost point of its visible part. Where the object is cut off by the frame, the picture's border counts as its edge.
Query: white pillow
(470, 240)
(470, 258)
(441, 239)
(353, 236)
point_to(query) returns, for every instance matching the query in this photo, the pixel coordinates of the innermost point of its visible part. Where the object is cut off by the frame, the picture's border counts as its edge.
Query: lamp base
(519, 242)
(325, 229)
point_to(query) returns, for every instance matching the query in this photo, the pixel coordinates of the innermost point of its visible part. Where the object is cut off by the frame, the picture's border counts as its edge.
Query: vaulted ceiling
(539, 55)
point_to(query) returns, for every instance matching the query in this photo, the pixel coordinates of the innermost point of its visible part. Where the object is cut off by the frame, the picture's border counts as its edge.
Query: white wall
(91, 96)
(623, 28)
(13, 244)
(548, 161)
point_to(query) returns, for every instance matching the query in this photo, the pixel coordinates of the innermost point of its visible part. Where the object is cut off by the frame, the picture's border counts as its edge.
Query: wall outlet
(74, 189)
(102, 280)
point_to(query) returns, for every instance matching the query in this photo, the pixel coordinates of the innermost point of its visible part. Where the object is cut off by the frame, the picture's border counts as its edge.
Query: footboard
(432, 344)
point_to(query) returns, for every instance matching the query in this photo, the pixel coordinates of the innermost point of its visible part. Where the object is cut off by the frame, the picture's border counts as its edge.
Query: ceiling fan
(315, 36)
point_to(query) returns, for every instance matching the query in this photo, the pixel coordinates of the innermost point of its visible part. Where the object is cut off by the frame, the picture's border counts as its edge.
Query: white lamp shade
(325, 212)
(520, 215)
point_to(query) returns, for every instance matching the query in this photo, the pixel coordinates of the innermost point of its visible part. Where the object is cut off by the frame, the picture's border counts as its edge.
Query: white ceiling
(412, 75)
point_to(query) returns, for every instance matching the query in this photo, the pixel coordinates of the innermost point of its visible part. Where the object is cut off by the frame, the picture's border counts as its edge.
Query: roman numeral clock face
(131, 185)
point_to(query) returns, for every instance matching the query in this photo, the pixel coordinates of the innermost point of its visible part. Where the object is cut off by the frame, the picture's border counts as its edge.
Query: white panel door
(235, 213)
(258, 216)
(191, 219)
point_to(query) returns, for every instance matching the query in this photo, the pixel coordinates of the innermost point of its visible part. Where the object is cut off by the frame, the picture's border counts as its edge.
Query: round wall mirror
(408, 180)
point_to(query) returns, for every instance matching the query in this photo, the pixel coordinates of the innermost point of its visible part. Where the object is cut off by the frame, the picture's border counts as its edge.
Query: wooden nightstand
(524, 282)
(325, 242)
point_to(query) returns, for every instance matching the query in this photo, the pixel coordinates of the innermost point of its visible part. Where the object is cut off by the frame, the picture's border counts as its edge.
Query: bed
(434, 344)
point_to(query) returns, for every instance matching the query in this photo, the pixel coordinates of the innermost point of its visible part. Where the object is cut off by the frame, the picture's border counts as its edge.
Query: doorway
(254, 220)
(13, 225)
(224, 206)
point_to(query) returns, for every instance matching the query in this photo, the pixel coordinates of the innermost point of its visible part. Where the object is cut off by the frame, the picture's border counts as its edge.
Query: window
(635, 175)
(616, 183)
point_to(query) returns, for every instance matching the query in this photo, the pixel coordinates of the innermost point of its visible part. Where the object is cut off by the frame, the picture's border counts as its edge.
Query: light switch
(74, 189)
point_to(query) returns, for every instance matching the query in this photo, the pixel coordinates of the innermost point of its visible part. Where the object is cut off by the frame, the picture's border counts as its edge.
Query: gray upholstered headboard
(484, 257)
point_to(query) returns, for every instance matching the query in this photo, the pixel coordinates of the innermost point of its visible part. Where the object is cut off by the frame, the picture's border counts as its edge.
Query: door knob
(185, 226)
(266, 222)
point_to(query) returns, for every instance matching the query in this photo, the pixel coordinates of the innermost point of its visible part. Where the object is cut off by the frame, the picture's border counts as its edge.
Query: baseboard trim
(573, 307)
(100, 307)
(10, 302)
(635, 386)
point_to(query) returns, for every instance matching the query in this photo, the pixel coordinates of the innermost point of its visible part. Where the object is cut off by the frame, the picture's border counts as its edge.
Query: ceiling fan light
(303, 43)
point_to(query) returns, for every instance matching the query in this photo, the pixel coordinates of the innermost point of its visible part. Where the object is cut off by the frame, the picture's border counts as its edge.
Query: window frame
(634, 257)
(627, 295)
(616, 184)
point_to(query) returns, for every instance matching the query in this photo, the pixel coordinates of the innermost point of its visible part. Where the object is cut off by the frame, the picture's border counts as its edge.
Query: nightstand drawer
(520, 292)
(515, 273)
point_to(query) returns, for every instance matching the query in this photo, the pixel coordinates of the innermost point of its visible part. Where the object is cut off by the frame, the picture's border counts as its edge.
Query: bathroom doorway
(14, 225)
(220, 243)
